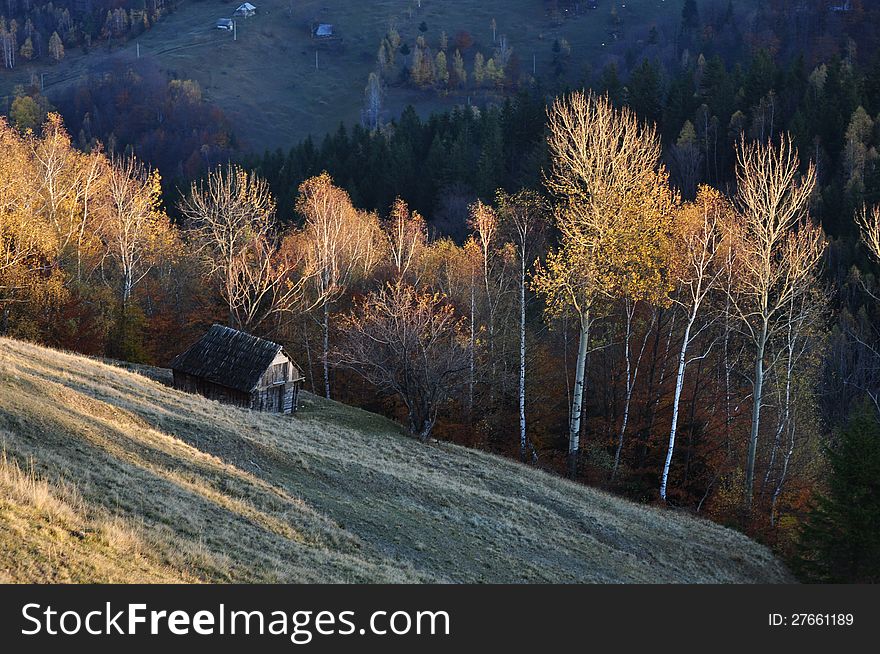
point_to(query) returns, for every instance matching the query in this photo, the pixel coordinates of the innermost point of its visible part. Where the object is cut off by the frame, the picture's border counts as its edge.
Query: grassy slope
(267, 82)
(109, 475)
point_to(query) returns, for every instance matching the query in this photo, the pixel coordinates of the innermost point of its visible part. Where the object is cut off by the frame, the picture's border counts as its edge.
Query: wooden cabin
(236, 368)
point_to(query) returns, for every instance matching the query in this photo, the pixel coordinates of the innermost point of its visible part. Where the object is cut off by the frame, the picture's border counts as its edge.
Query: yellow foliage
(615, 209)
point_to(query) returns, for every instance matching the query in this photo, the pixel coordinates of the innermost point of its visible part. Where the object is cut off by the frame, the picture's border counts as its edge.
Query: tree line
(34, 31)
(608, 328)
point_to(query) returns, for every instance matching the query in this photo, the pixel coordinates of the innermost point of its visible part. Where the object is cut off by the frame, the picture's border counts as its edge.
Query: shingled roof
(229, 358)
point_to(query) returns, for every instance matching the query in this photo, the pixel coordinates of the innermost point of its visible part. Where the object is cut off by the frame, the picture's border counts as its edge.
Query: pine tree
(645, 92)
(690, 16)
(841, 539)
(610, 84)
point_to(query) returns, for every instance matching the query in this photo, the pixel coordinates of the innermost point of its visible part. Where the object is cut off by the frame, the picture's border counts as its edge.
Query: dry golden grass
(109, 475)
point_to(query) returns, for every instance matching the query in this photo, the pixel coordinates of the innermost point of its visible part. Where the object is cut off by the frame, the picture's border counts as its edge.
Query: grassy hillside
(267, 83)
(109, 475)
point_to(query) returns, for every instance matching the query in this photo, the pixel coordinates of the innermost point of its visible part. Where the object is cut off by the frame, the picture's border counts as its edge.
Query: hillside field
(108, 475)
(267, 83)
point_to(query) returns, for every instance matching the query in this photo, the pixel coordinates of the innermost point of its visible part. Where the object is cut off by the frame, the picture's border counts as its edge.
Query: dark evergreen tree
(690, 16)
(609, 82)
(645, 92)
(841, 539)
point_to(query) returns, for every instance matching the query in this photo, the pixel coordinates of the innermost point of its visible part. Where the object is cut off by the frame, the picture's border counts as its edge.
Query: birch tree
(136, 227)
(343, 246)
(522, 217)
(26, 240)
(73, 190)
(698, 273)
(57, 180)
(793, 383)
(568, 282)
(229, 218)
(777, 252)
(484, 223)
(869, 225)
(613, 208)
(407, 236)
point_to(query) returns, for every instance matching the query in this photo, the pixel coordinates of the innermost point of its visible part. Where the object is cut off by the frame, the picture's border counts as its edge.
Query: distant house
(234, 367)
(842, 8)
(245, 10)
(224, 24)
(323, 31)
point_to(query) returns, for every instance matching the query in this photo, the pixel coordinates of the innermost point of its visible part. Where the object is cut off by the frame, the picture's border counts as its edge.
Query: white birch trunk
(326, 349)
(628, 391)
(472, 355)
(522, 361)
(676, 402)
(574, 432)
(631, 375)
(758, 396)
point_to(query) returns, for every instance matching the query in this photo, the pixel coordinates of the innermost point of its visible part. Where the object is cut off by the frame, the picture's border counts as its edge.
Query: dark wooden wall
(277, 398)
(210, 390)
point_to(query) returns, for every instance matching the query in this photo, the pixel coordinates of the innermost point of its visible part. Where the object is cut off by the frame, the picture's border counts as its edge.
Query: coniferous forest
(657, 276)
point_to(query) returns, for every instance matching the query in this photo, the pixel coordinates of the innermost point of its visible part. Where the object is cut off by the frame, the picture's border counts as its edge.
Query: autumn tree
(73, 191)
(483, 222)
(27, 49)
(442, 69)
(455, 271)
(25, 113)
(777, 252)
(407, 236)
(698, 270)
(26, 240)
(136, 229)
(869, 224)
(230, 222)
(613, 212)
(641, 254)
(479, 69)
(342, 245)
(409, 343)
